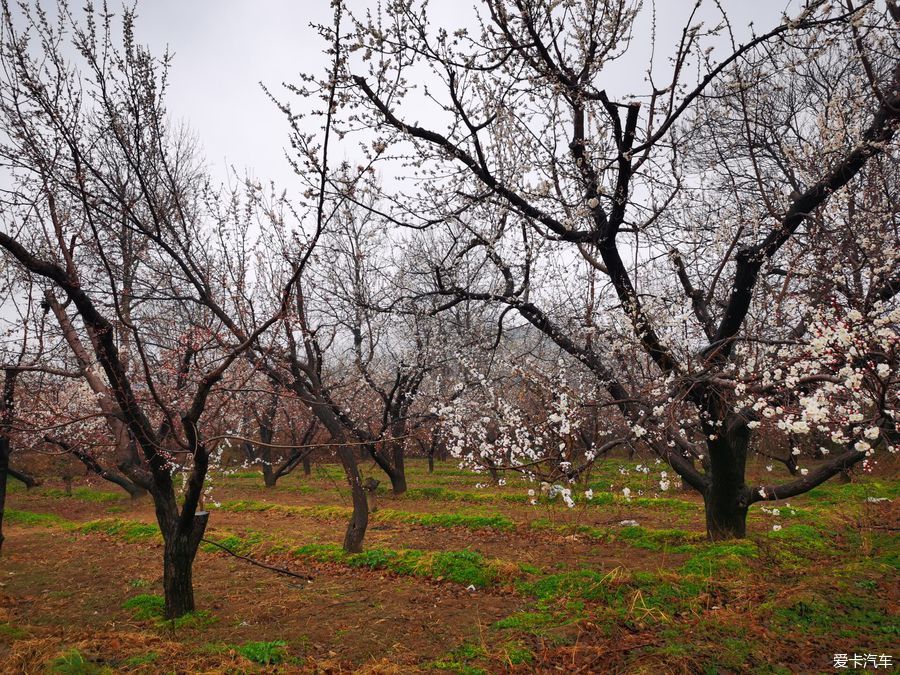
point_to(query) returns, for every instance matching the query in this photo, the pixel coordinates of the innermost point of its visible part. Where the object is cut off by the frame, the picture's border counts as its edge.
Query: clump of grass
(466, 567)
(146, 607)
(517, 654)
(458, 660)
(851, 614)
(241, 505)
(129, 530)
(84, 494)
(843, 493)
(675, 541)
(240, 544)
(13, 516)
(802, 537)
(526, 621)
(263, 653)
(494, 521)
(141, 660)
(578, 584)
(443, 494)
(73, 662)
(10, 632)
(711, 559)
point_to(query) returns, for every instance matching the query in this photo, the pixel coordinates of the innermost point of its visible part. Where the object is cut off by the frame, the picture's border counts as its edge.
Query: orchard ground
(455, 578)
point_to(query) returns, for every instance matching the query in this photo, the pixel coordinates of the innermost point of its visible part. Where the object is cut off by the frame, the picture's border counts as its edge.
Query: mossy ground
(510, 585)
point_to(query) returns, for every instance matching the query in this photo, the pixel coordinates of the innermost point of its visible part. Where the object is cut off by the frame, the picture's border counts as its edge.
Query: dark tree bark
(359, 521)
(7, 411)
(727, 497)
(178, 560)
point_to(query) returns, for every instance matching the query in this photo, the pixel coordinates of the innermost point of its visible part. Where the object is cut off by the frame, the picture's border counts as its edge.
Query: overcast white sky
(224, 48)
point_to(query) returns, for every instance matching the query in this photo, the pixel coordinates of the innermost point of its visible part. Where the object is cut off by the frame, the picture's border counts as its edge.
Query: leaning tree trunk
(178, 562)
(727, 498)
(359, 521)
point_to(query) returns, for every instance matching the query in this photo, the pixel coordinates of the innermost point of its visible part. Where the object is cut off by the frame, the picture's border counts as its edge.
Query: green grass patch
(240, 544)
(139, 660)
(84, 494)
(129, 530)
(30, 519)
(492, 521)
(836, 494)
(9, 632)
(517, 654)
(798, 537)
(578, 584)
(459, 660)
(146, 607)
(264, 653)
(674, 541)
(463, 567)
(714, 558)
(73, 662)
(853, 614)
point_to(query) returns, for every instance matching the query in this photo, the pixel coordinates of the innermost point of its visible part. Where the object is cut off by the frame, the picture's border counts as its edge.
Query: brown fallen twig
(252, 561)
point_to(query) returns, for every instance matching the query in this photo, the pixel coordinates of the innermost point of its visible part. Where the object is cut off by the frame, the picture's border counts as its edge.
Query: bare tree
(92, 155)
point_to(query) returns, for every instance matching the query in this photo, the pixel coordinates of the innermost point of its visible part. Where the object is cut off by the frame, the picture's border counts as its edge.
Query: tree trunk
(178, 561)
(269, 477)
(727, 498)
(359, 521)
(4, 466)
(431, 462)
(398, 479)
(307, 467)
(7, 410)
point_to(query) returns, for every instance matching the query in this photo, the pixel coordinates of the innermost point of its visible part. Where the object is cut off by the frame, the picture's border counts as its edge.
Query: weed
(74, 662)
(517, 654)
(10, 632)
(458, 660)
(145, 606)
(263, 653)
